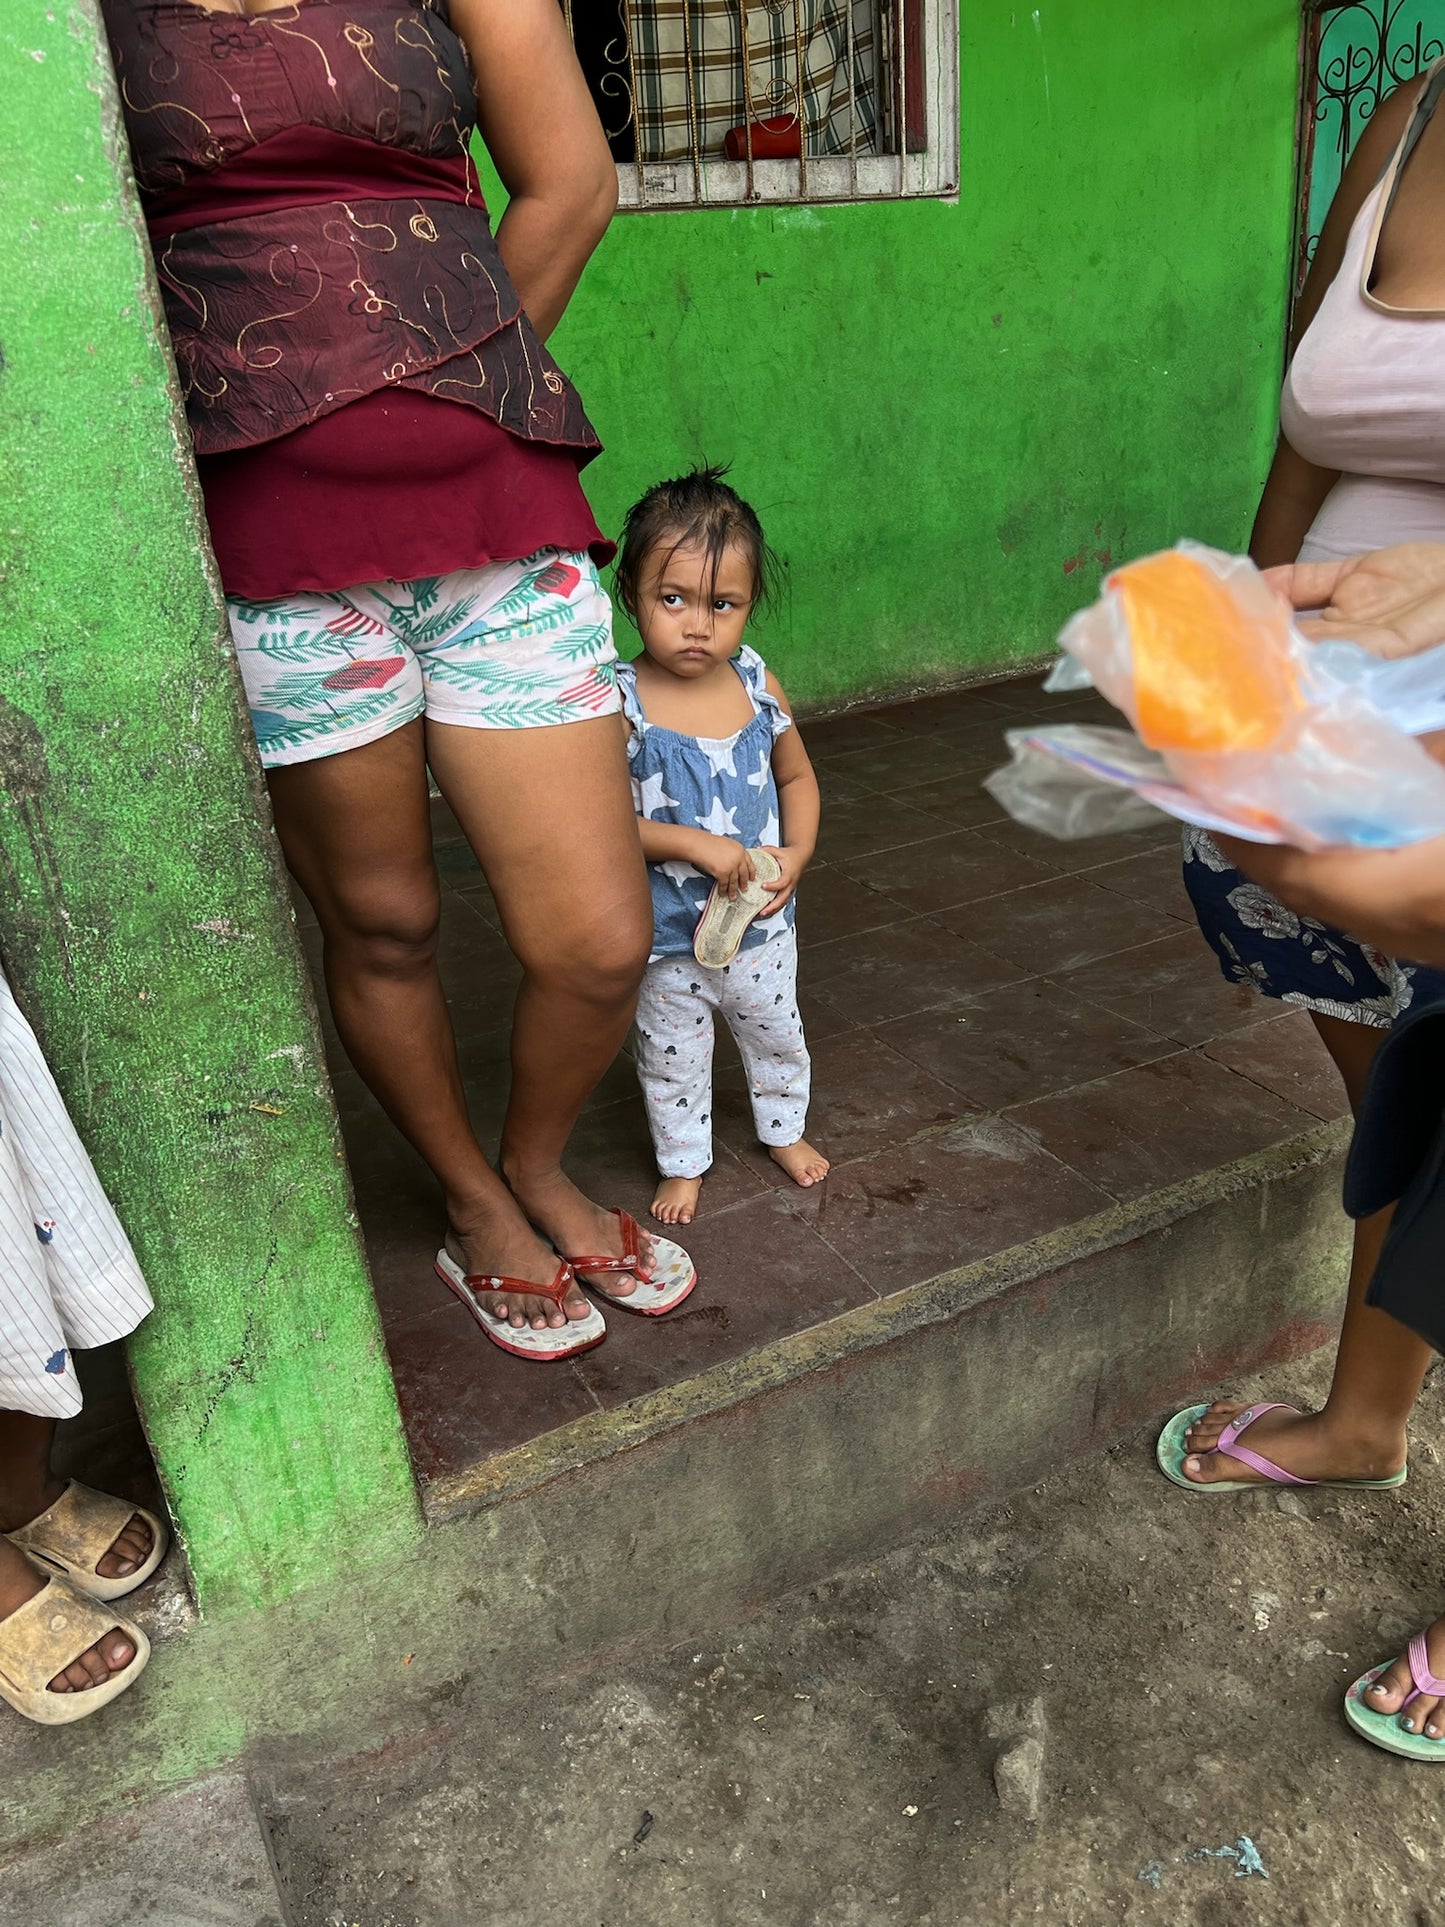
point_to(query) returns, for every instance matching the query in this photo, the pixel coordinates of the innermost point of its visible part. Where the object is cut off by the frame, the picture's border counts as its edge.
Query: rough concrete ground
(196, 1858)
(832, 1763)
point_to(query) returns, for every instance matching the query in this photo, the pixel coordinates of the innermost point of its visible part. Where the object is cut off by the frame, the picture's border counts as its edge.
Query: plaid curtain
(793, 62)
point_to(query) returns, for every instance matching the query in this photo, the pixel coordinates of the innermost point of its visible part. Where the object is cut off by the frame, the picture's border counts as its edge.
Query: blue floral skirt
(1259, 942)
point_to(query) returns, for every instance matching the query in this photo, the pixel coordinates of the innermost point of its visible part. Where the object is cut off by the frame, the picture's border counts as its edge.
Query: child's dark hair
(697, 510)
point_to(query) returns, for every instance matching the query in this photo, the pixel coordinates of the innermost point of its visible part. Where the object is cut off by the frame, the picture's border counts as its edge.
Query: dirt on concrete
(1107, 1701)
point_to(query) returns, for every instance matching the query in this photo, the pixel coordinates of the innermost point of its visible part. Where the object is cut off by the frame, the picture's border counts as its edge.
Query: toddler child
(728, 809)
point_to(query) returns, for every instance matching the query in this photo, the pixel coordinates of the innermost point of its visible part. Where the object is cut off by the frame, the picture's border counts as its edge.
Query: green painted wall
(947, 414)
(940, 409)
(142, 913)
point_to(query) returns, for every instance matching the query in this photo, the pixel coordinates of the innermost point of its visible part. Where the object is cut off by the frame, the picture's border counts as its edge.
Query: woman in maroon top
(390, 463)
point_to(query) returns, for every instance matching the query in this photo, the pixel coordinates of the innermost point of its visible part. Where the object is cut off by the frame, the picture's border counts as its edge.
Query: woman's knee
(599, 963)
(395, 923)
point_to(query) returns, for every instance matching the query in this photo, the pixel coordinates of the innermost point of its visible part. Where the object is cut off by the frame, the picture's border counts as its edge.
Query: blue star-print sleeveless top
(724, 784)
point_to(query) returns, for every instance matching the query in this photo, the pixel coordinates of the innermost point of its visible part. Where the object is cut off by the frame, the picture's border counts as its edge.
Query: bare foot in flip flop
(574, 1223)
(1310, 1445)
(111, 1654)
(515, 1253)
(1426, 1713)
(802, 1163)
(676, 1200)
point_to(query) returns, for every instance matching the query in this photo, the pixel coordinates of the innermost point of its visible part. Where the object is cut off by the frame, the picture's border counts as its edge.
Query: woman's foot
(1388, 1694)
(802, 1163)
(515, 1251)
(20, 1581)
(676, 1200)
(1311, 1445)
(573, 1223)
(127, 1552)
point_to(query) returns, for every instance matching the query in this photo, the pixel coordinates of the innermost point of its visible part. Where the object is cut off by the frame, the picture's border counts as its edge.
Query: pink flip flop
(1173, 1449)
(1384, 1729)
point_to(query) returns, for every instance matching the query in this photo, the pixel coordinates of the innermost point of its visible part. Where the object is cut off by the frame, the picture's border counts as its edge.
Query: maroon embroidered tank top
(284, 309)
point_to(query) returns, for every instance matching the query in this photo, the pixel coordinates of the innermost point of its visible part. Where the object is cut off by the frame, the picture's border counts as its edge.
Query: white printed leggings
(757, 997)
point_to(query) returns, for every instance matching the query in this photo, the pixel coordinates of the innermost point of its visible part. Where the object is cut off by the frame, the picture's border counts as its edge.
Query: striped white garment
(68, 1276)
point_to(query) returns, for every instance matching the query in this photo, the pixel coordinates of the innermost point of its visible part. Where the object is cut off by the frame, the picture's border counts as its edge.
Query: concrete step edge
(952, 1294)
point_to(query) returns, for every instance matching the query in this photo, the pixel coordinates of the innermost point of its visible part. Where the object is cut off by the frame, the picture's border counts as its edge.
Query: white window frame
(929, 174)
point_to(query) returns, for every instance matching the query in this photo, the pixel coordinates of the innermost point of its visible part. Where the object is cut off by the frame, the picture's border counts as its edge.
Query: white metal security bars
(731, 102)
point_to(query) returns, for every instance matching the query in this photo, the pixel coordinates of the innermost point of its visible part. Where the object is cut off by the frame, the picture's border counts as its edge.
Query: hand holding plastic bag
(1249, 732)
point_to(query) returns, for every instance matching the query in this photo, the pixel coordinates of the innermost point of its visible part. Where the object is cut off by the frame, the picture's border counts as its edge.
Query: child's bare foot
(676, 1200)
(802, 1163)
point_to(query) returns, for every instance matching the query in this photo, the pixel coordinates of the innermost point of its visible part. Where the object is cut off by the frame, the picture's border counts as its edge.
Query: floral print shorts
(513, 645)
(1260, 942)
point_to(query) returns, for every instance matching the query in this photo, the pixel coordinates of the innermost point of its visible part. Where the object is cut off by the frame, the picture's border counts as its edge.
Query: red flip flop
(564, 1341)
(662, 1288)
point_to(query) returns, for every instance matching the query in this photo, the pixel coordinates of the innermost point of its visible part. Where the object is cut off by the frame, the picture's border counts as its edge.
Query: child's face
(691, 620)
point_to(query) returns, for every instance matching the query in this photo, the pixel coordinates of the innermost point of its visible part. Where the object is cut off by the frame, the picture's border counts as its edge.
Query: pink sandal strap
(1231, 1448)
(1425, 1681)
(631, 1259)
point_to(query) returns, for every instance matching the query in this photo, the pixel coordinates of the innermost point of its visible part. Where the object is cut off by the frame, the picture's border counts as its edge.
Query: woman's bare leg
(549, 813)
(356, 830)
(1379, 1368)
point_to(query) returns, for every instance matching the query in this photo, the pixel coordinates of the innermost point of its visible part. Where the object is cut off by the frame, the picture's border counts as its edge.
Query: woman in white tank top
(1360, 465)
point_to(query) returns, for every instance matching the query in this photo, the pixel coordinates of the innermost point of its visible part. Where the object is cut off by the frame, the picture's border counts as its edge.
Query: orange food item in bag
(1209, 673)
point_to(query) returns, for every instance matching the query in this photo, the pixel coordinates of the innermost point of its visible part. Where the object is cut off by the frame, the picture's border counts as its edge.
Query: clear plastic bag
(1251, 730)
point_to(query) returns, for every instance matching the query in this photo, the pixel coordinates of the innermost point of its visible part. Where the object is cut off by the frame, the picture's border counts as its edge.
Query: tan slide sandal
(47, 1634)
(79, 1530)
(724, 921)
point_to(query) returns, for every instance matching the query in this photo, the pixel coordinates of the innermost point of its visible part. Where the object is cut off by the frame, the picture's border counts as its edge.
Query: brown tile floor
(1008, 1034)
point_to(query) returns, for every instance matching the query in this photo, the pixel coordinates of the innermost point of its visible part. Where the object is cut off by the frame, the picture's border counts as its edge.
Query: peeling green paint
(142, 910)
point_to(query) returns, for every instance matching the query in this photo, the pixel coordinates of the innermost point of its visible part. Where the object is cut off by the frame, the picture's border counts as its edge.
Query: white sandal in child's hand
(725, 920)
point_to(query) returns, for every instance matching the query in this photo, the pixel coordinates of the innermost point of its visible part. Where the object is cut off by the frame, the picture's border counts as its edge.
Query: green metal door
(1354, 56)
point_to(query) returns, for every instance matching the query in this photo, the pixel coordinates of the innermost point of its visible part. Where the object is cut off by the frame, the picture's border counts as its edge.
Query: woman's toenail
(1409, 1725)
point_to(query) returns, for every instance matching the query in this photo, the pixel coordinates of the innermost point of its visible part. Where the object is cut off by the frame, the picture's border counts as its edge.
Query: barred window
(727, 102)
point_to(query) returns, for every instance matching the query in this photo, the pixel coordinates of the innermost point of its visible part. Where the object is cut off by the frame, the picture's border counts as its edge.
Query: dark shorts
(1260, 942)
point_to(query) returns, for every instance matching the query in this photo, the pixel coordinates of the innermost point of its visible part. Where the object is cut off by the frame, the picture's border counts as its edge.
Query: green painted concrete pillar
(142, 910)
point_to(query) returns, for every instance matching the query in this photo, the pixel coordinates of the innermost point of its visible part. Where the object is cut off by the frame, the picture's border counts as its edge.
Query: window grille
(1354, 55)
(733, 102)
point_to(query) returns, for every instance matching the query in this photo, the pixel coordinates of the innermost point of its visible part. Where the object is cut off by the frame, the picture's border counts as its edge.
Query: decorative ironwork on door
(727, 102)
(1354, 55)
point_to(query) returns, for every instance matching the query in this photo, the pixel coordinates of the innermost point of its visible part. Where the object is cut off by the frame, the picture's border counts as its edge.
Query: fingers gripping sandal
(725, 920)
(563, 1341)
(1173, 1449)
(47, 1634)
(79, 1530)
(1384, 1729)
(664, 1278)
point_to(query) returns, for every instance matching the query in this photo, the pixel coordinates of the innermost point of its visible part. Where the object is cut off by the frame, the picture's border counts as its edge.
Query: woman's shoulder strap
(1424, 110)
